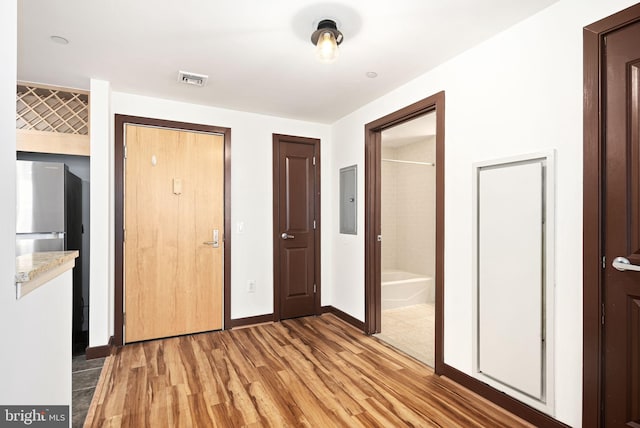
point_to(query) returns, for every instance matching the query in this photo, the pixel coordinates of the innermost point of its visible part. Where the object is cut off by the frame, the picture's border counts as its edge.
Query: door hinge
(315, 288)
(124, 318)
(314, 160)
(604, 262)
(124, 235)
(602, 319)
(125, 151)
(314, 224)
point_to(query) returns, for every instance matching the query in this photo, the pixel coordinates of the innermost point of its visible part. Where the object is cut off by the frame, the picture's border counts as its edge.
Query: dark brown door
(621, 288)
(296, 222)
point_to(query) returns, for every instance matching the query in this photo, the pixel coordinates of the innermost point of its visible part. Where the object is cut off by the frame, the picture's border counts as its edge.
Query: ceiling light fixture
(327, 38)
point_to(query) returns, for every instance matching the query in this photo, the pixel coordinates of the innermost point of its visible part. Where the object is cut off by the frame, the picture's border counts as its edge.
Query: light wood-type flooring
(311, 372)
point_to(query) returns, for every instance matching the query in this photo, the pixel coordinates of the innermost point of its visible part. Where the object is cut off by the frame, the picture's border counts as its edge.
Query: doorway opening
(408, 185)
(404, 229)
(77, 234)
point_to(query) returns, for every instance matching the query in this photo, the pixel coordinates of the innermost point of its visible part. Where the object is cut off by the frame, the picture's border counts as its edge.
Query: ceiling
(257, 53)
(412, 131)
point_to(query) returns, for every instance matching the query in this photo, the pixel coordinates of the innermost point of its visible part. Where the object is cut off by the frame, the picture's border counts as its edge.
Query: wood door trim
(343, 316)
(93, 352)
(277, 139)
(501, 399)
(373, 174)
(120, 122)
(593, 149)
(243, 322)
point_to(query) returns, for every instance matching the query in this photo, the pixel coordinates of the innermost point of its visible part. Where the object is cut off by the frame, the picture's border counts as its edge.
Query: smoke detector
(195, 79)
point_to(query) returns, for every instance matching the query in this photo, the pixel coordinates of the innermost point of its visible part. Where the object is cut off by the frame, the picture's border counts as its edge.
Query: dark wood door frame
(277, 138)
(120, 122)
(373, 131)
(593, 176)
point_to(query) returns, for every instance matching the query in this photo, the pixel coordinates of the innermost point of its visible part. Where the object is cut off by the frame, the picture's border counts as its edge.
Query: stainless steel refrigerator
(49, 218)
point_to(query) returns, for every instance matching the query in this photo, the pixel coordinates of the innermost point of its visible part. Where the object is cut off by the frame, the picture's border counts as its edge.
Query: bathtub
(401, 289)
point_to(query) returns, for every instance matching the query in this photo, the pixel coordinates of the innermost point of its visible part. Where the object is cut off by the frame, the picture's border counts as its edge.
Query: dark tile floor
(84, 379)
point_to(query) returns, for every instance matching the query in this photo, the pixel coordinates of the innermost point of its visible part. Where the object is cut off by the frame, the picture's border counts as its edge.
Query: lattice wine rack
(52, 110)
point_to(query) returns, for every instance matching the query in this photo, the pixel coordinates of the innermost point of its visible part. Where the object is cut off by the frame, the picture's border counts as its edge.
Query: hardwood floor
(313, 372)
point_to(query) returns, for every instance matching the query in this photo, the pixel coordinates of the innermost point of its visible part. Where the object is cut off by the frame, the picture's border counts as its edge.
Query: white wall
(251, 198)
(519, 92)
(39, 363)
(36, 324)
(8, 308)
(101, 214)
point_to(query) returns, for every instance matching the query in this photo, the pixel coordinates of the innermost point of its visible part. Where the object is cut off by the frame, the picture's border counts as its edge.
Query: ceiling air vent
(192, 78)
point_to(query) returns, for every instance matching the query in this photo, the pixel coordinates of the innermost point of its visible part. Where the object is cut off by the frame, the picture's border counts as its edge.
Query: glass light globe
(327, 47)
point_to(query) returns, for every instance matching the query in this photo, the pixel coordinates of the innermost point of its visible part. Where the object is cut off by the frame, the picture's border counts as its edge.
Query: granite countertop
(30, 266)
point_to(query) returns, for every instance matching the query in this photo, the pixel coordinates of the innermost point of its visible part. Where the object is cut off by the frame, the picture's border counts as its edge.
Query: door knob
(286, 236)
(623, 263)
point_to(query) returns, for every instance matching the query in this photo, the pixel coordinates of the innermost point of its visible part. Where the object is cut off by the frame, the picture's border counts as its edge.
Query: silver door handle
(623, 263)
(286, 236)
(216, 241)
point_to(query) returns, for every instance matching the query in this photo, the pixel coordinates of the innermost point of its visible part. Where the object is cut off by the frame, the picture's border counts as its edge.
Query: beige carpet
(411, 330)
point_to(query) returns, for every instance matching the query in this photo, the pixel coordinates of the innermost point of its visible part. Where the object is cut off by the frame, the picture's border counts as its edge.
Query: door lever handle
(623, 263)
(216, 241)
(286, 236)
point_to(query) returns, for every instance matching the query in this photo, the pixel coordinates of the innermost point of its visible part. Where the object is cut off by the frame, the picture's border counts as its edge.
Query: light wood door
(621, 286)
(174, 200)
